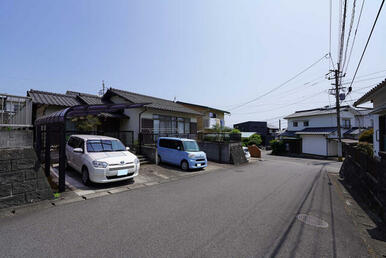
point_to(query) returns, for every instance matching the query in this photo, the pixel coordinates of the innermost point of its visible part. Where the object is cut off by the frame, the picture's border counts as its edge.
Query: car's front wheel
(85, 176)
(184, 165)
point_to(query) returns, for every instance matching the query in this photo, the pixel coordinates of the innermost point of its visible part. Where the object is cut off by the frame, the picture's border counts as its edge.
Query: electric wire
(367, 43)
(281, 85)
(355, 35)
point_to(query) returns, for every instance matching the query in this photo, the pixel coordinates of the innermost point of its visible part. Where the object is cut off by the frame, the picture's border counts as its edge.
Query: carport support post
(38, 143)
(47, 155)
(62, 160)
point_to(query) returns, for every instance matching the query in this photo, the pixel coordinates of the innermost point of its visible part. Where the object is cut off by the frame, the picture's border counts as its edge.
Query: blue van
(181, 152)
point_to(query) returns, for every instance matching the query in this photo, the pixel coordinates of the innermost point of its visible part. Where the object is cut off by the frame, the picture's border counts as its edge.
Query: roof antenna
(102, 91)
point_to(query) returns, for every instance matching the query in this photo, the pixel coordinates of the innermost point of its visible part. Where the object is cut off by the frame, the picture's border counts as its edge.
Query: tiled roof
(206, 107)
(156, 103)
(316, 112)
(317, 130)
(370, 94)
(288, 134)
(50, 98)
(86, 98)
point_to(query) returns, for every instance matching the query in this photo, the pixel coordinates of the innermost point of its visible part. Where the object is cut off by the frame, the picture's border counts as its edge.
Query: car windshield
(104, 145)
(191, 146)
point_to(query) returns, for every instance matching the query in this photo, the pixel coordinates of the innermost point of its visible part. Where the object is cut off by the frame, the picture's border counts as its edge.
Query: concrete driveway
(149, 174)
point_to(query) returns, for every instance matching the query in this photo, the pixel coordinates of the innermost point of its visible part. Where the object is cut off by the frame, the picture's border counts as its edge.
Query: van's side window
(164, 143)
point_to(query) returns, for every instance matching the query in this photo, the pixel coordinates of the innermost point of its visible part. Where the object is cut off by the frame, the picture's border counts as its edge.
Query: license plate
(198, 165)
(122, 172)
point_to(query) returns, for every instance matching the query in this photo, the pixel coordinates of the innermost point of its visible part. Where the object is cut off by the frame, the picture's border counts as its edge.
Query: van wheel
(159, 160)
(184, 165)
(85, 176)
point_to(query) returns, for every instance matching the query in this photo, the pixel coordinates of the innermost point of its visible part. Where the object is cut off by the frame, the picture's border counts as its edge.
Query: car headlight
(99, 164)
(191, 155)
(136, 161)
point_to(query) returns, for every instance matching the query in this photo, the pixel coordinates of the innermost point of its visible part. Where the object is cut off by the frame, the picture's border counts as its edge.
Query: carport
(51, 130)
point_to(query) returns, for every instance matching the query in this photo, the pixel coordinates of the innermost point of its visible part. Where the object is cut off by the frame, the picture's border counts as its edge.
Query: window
(104, 146)
(305, 123)
(212, 115)
(191, 146)
(295, 124)
(346, 123)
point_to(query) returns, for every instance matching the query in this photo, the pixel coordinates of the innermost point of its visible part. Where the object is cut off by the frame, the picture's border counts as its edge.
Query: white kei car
(101, 159)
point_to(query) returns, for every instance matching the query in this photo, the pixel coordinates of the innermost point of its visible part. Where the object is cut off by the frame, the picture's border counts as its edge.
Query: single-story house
(377, 96)
(157, 117)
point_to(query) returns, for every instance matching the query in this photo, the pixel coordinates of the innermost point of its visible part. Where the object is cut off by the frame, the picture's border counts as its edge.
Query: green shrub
(254, 139)
(245, 142)
(366, 148)
(277, 146)
(367, 136)
(235, 131)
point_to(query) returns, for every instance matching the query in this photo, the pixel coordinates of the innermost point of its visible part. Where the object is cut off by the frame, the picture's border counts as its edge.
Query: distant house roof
(316, 112)
(88, 99)
(252, 122)
(50, 98)
(201, 106)
(156, 103)
(288, 134)
(371, 93)
(317, 130)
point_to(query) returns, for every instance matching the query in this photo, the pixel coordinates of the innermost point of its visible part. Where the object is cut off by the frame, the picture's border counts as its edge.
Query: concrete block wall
(16, 138)
(22, 180)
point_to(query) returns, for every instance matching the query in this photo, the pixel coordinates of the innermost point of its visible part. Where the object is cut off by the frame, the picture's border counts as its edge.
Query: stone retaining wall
(22, 180)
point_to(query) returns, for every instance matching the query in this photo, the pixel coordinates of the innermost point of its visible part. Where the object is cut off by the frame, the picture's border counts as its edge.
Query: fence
(367, 176)
(15, 111)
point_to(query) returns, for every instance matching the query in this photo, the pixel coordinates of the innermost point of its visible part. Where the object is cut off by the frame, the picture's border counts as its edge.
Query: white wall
(314, 144)
(328, 120)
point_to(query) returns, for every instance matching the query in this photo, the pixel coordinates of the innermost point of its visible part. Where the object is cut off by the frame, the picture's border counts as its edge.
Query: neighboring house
(257, 127)
(377, 96)
(209, 117)
(15, 110)
(160, 117)
(314, 131)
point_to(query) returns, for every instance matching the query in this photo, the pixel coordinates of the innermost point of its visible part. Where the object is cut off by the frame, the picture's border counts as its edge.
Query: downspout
(139, 129)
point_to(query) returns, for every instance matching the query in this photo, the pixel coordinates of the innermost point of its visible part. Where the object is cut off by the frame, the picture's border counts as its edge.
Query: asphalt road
(247, 211)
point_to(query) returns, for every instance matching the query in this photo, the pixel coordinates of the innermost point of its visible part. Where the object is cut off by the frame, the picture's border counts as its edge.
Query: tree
(86, 124)
(367, 136)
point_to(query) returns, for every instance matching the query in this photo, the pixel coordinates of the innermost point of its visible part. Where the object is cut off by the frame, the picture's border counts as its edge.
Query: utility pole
(336, 92)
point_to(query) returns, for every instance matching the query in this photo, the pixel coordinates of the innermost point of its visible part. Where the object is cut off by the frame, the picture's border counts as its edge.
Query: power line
(349, 33)
(367, 43)
(281, 85)
(355, 35)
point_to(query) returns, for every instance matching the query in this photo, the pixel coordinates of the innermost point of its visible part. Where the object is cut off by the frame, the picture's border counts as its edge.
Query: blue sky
(215, 53)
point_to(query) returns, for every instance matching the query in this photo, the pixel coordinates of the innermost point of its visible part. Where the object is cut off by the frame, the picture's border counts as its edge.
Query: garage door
(314, 144)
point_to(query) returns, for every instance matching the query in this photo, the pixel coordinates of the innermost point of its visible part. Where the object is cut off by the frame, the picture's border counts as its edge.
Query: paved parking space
(149, 174)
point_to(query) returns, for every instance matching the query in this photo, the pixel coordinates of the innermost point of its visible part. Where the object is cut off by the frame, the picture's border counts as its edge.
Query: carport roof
(83, 110)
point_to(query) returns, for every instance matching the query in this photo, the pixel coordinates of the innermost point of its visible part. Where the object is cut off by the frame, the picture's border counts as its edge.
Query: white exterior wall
(319, 121)
(314, 144)
(378, 101)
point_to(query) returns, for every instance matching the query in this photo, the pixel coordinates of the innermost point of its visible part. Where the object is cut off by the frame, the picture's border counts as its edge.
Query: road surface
(246, 211)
